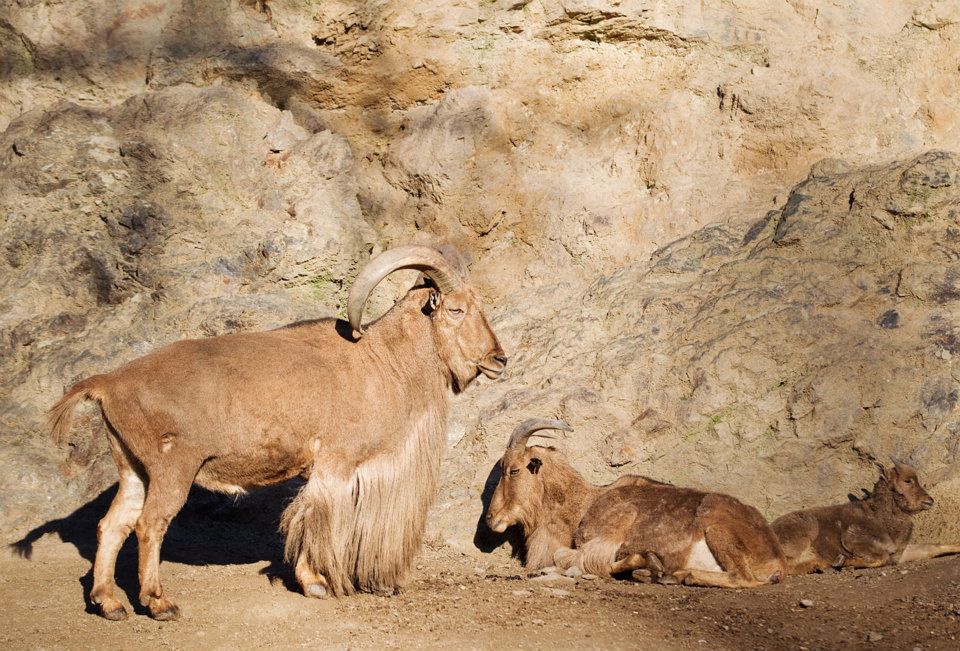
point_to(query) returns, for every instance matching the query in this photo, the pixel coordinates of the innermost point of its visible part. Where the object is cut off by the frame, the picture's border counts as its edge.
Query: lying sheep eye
(456, 311)
(513, 471)
(909, 481)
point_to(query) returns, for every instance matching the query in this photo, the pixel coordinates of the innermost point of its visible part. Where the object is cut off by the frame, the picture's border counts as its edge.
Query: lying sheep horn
(421, 258)
(525, 429)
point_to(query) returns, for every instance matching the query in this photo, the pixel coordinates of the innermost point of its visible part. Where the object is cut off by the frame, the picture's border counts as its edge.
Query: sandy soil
(222, 565)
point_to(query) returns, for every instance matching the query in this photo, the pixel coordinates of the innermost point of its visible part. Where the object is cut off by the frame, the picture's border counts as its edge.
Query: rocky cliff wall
(172, 169)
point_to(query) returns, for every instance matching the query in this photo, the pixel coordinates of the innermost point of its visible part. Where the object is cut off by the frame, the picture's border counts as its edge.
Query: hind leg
(166, 494)
(743, 560)
(114, 528)
(715, 579)
(922, 552)
(741, 542)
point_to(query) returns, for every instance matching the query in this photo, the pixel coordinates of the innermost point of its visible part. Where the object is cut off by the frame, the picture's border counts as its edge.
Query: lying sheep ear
(890, 473)
(432, 303)
(534, 465)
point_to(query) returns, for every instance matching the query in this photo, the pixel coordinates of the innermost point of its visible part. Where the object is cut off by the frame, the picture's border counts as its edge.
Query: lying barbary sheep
(869, 532)
(634, 523)
(362, 418)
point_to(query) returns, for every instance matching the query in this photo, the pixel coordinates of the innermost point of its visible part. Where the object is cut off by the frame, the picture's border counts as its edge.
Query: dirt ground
(222, 565)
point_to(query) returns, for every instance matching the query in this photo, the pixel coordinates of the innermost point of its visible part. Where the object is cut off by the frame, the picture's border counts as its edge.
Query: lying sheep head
(908, 494)
(519, 495)
(465, 342)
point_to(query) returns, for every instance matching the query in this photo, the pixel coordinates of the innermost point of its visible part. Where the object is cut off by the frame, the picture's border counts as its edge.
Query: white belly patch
(701, 558)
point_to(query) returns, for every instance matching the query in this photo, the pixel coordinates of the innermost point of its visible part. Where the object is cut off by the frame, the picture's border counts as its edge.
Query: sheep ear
(534, 465)
(433, 301)
(890, 473)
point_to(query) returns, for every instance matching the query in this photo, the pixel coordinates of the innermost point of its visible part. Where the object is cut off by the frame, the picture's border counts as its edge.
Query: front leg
(565, 558)
(166, 493)
(312, 584)
(863, 548)
(541, 547)
(646, 568)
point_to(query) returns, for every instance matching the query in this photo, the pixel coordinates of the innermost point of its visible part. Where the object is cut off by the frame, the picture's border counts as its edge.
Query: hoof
(654, 564)
(385, 592)
(641, 576)
(573, 571)
(565, 558)
(315, 590)
(117, 614)
(169, 613)
(670, 579)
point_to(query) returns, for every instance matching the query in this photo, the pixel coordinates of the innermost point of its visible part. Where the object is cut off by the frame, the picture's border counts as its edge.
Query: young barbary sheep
(635, 523)
(869, 532)
(362, 418)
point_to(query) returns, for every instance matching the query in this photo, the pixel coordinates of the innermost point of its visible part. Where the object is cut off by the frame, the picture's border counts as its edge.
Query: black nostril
(501, 358)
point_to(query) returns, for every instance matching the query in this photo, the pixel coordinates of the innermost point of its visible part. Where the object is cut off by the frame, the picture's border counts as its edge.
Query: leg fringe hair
(597, 555)
(361, 532)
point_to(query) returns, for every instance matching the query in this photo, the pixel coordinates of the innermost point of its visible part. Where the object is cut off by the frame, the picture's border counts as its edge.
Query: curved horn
(525, 429)
(422, 258)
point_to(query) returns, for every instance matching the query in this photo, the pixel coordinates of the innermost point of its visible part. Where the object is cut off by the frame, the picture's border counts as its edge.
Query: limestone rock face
(186, 212)
(589, 132)
(186, 168)
(777, 361)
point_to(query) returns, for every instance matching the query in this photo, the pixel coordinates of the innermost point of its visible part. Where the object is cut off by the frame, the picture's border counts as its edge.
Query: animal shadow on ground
(211, 529)
(486, 539)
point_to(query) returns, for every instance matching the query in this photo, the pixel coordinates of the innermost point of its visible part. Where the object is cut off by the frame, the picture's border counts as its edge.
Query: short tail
(60, 416)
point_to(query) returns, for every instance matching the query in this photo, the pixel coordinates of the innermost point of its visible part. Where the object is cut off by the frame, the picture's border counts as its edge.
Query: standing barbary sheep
(362, 419)
(634, 523)
(870, 532)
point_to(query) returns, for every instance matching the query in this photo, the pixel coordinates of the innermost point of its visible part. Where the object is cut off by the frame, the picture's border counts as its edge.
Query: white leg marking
(701, 558)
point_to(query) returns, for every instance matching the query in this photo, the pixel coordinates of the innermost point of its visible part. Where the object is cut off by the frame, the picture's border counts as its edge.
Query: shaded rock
(130, 227)
(760, 362)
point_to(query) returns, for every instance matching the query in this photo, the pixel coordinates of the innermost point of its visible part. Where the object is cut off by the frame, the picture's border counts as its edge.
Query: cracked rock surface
(684, 216)
(776, 360)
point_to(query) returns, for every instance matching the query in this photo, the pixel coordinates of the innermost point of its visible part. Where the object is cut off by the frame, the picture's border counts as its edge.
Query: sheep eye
(456, 311)
(909, 481)
(513, 471)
